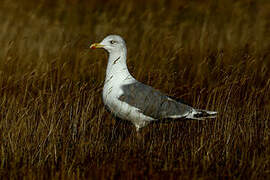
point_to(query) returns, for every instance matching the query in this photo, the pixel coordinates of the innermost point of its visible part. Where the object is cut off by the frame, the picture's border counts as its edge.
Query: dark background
(212, 54)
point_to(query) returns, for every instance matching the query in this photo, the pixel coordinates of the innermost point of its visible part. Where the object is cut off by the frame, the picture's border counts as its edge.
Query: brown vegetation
(213, 54)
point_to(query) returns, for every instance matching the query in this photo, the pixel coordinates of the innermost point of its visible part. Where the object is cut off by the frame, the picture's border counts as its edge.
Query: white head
(111, 43)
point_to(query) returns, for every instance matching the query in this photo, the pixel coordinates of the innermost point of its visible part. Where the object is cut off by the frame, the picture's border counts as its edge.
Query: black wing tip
(205, 114)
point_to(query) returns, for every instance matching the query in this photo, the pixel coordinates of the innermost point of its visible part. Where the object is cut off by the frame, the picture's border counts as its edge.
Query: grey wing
(152, 103)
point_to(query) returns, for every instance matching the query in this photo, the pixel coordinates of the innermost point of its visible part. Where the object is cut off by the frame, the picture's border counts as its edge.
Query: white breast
(118, 75)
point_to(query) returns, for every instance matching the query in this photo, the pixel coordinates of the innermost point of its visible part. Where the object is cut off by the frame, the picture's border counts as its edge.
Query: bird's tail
(200, 114)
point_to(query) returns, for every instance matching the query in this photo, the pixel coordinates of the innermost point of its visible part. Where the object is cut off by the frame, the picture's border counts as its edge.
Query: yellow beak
(96, 45)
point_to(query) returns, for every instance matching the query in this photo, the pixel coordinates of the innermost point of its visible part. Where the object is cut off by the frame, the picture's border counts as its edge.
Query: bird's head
(111, 43)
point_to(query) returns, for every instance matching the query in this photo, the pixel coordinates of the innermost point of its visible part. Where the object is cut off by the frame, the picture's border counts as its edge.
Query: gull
(134, 101)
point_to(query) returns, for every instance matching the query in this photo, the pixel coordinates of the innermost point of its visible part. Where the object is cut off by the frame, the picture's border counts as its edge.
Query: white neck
(117, 67)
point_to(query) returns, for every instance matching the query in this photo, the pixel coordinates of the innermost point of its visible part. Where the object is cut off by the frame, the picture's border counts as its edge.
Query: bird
(129, 99)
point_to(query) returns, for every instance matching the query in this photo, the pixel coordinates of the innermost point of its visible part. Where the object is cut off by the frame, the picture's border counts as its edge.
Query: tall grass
(213, 54)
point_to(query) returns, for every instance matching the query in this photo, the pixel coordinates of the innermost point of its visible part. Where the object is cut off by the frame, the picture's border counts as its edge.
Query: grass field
(214, 55)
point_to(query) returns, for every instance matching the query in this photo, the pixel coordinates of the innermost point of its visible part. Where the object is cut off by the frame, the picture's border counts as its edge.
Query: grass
(214, 55)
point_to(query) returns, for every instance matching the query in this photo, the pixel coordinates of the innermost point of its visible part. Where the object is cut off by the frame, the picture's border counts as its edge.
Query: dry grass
(212, 54)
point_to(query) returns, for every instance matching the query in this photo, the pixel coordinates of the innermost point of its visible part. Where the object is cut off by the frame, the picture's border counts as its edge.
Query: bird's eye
(112, 42)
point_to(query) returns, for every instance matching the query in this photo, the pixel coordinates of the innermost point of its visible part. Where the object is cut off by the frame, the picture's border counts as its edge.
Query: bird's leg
(138, 134)
(137, 128)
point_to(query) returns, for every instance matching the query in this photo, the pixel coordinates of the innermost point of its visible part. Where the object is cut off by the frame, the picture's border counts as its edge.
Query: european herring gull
(134, 101)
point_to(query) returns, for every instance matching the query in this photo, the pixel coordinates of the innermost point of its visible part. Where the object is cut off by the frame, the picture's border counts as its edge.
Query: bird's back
(152, 102)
